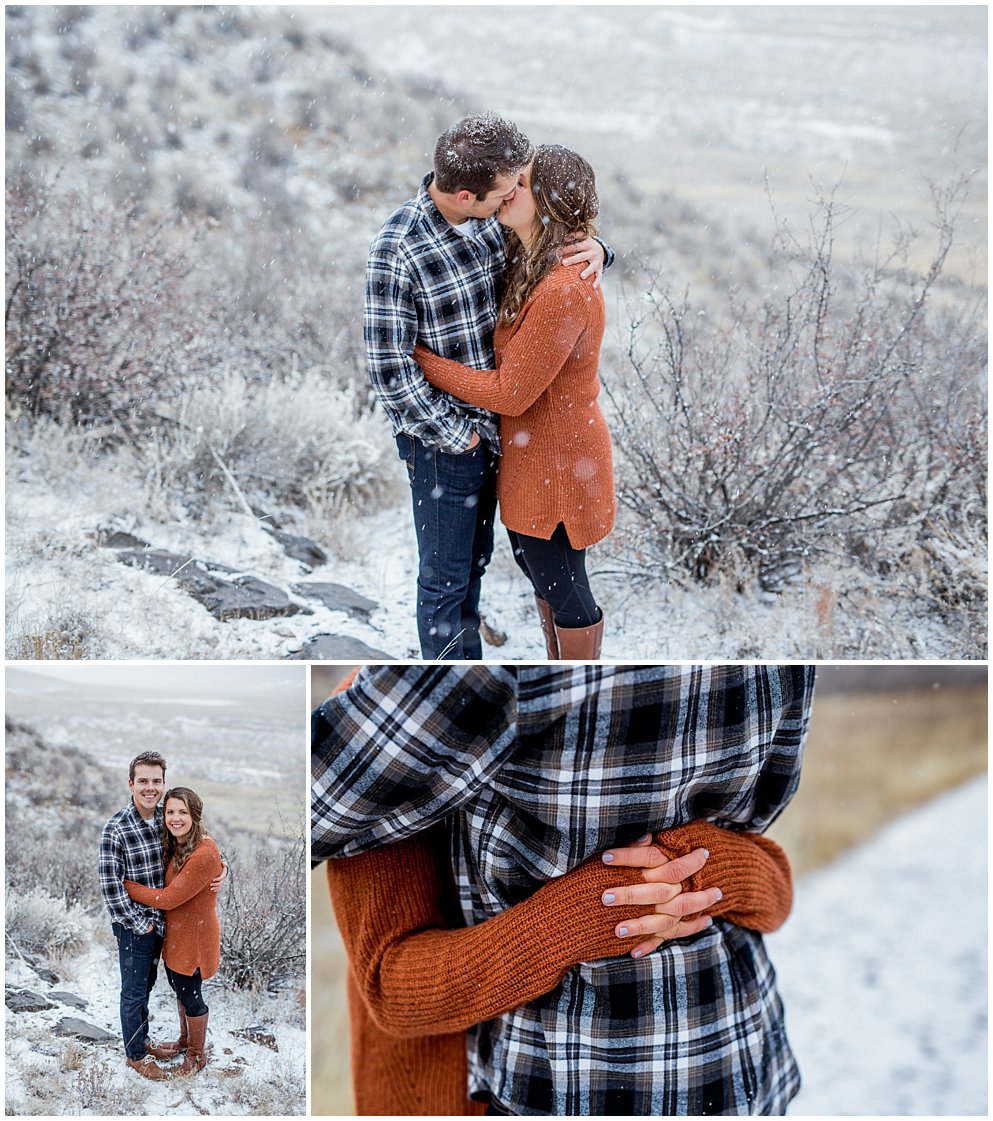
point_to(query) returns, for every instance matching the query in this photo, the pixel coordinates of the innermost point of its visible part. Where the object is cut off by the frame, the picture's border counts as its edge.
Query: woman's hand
(675, 914)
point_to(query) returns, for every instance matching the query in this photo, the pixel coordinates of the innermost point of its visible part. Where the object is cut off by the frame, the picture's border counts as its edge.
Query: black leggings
(187, 990)
(558, 573)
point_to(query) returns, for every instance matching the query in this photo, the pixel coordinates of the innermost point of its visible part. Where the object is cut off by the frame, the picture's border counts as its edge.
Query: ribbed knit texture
(556, 463)
(417, 978)
(193, 935)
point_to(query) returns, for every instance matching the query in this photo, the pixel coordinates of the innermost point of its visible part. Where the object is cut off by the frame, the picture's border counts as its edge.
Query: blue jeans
(454, 501)
(139, 959)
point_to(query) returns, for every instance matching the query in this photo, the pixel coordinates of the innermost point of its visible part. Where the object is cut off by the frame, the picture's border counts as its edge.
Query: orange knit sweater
(418, 978)
(193, 935)
(556, 460)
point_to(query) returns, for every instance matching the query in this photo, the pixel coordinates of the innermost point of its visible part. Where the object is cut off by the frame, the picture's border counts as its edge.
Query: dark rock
(297, 547)
(80, 1029)
(335, 647)
(24, 1000)
(257, 1034)
(69, 998)
(225, 592)
(336, 597)
(118, 539)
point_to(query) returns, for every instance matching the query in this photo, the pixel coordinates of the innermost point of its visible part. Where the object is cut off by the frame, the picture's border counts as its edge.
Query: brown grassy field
(870, 757)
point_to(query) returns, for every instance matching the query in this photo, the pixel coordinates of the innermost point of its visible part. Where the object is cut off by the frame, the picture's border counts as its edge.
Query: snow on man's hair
(475, 150)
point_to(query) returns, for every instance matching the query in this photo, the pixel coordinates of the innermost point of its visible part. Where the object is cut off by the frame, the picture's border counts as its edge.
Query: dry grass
(869, 758)
(331, 1080)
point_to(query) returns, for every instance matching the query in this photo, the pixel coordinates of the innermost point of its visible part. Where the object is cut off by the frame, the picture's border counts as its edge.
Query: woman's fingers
(678, 869)
(683, 929)
(647, 895)
(667, 899)
(656, 866)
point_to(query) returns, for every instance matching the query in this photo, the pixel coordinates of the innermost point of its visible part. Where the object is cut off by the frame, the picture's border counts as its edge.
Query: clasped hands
(675, 913)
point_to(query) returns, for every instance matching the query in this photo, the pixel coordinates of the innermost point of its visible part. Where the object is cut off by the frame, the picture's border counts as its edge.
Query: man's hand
(590, 251)
(675, 914)
(215, 883)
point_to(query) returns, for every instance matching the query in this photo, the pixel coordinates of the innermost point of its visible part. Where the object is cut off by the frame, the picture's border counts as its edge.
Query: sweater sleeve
(752, 872)
(417, 977)
(550, 328)
(195, 875)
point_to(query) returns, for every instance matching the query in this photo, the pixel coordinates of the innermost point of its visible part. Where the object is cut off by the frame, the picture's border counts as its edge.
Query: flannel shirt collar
(437, 222)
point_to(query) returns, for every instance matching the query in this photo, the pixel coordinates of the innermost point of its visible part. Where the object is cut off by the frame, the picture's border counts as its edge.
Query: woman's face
(178, 819)
(519, 212)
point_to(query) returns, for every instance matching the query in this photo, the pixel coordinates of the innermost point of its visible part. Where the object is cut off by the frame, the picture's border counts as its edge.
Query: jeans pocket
(405, 449)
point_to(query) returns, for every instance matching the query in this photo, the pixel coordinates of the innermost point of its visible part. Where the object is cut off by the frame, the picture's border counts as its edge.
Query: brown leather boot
(171, 1050)
(547, 627)
(580, 644)
(196, 1047)
(148, 1068)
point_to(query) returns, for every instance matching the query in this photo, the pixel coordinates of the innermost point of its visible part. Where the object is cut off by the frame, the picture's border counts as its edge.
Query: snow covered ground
(883, 969)
(243, 1077)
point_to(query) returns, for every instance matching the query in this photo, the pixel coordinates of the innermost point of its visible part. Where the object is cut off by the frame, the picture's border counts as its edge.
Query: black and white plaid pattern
(425, 283)
(131, 849)
(539, 768)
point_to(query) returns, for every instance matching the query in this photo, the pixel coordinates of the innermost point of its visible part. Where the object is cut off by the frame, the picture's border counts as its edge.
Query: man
(536, 769)
(131, 849)
(433, 277)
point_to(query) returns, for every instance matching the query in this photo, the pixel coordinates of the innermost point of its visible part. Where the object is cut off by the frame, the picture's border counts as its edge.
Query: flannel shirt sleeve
(123, 909)
(404, 747)
(390, 329)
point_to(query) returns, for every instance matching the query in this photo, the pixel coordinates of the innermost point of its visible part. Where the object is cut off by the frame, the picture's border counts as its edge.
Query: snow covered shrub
(301, 440)
(96, 326)
(37, 922)
(263, 909)
(845, 417)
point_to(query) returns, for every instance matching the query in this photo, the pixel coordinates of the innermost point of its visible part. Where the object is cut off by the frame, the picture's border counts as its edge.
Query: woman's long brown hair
(564, 190)
(172, 848)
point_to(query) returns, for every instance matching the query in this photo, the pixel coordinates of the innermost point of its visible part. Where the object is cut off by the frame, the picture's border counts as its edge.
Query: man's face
(502, 191)
(146, 788)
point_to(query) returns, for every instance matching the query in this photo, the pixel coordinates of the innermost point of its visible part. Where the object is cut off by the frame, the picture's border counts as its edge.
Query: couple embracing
(483, 325)
(159, 875)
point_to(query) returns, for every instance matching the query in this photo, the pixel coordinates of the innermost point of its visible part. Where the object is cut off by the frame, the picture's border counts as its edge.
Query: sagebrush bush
(264, 918)
(844, 417)
(35, 921)
(301, 440)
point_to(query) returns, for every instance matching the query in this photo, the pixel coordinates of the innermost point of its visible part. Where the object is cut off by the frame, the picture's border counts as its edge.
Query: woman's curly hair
(564, 190)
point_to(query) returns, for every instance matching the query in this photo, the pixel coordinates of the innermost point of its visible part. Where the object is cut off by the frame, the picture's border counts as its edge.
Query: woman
(555, 481)
(192, 946)
(419, 978)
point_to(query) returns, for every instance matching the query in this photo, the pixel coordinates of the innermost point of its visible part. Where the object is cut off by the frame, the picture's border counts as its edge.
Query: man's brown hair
(475, 150)
(147, 759)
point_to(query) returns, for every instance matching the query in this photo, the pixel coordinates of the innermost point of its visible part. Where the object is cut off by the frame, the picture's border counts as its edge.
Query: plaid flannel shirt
(539, 768)
(131, 849)
(425, 283)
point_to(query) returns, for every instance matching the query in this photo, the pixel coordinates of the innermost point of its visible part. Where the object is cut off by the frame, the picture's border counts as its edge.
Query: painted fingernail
(608, 897)
(720, 894)
(637, 953)
(646, 837)
(706, 854)
(708, 922)
(622, 932)
(608, 857)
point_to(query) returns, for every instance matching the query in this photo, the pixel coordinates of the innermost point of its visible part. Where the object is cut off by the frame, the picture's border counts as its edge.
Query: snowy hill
(883, 969)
